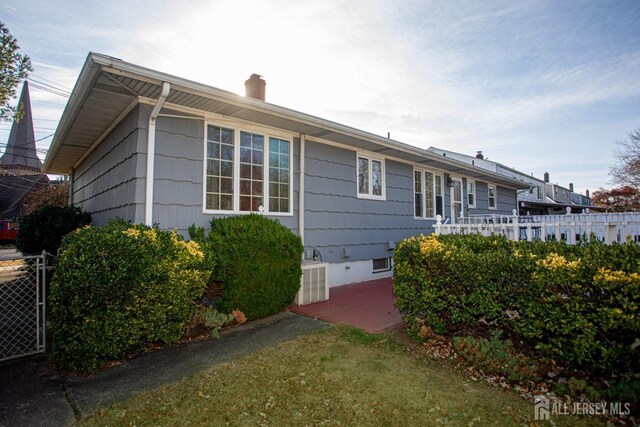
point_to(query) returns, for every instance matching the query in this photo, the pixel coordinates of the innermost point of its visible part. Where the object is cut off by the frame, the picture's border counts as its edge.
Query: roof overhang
(107, 88)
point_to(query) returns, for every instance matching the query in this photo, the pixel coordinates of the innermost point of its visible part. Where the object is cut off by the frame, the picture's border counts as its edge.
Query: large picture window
(428, 194)
(241, 177)
(370, 176)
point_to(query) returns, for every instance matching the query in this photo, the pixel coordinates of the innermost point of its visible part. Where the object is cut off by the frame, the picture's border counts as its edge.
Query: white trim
(451, 198)
(495, 197)
(473, 182)
(151, 153)
(301, 189)
(226, 121)
(370, 159)
(435, 173)
(236, 170)
(382, 270)
(413, 181)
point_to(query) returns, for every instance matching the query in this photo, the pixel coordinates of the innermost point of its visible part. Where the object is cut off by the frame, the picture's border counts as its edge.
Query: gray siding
(178, 191)
(505, 203)
(336, 219)
(110, 181)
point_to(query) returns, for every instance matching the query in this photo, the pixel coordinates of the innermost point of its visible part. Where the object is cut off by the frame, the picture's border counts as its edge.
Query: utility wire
(32, 75)
(41, 83)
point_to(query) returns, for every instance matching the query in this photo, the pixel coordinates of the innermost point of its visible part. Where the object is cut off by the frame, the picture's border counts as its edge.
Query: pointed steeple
(20, 156)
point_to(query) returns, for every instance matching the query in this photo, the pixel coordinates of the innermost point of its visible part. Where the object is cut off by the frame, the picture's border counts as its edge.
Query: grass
(339, 376)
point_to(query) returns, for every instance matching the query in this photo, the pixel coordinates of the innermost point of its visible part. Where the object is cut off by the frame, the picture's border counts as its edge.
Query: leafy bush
(43, 229)
(497, 357)
(574, 303)
(119, 287)
(255, 262)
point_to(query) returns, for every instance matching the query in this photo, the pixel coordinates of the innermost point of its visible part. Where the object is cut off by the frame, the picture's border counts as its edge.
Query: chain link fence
(22, 306)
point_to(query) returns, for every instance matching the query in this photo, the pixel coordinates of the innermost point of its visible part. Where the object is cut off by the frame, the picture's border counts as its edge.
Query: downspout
(151, 153)
(301, 190)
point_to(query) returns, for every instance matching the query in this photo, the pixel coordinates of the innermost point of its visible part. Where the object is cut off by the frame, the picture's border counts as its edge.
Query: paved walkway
(365, 305)
(31, 394)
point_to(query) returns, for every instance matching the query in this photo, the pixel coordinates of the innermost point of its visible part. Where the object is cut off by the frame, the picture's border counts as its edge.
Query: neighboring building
(20, 156)
(540, 198)
(349, 194)
(20, 167)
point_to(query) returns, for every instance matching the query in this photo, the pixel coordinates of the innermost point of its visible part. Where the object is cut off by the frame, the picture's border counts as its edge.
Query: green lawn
(339, 376)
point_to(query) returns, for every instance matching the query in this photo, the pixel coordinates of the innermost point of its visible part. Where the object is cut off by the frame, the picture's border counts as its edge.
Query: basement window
(381, 264)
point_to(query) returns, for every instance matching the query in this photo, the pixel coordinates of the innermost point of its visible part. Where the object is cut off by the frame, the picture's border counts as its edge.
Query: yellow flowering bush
(575, 303)
(119, 287)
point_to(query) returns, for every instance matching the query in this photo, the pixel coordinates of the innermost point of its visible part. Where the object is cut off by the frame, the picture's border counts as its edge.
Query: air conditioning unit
(314, 284)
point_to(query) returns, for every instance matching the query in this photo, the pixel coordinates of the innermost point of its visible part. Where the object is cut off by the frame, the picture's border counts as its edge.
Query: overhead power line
(67, 88)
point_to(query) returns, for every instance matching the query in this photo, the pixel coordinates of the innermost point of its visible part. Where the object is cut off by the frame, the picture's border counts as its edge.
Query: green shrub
(574, 303)
(43, 229)
(119, 287)
(496, 357)
(256, 264)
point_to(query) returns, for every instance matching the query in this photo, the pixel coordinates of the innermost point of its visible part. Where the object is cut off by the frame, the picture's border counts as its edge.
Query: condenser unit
(314, 284)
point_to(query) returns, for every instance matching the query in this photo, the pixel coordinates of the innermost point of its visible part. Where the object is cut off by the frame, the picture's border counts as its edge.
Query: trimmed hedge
(44, 228)
(119, 287)
(574, 303)
(255, 262)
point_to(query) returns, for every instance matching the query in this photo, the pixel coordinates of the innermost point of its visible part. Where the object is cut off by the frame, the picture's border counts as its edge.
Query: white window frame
(370, 158)
(423, 196)
(454, 219)
(495, 197)
(473, 183)
(388, 267)
(236, 169)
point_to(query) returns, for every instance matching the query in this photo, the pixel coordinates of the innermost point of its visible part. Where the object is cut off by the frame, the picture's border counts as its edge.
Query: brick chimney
(571, 187)
(588, 196)
(546, 177)
(255, 87)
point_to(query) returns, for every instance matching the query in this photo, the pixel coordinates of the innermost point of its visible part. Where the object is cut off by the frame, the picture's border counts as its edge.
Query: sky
(541, 86)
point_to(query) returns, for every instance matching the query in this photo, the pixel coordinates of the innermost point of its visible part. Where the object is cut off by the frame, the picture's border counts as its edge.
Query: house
(540, 198)
(20, 166)
(158, 149)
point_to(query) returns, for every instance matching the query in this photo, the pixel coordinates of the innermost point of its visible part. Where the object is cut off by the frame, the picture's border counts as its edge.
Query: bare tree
(627, 153)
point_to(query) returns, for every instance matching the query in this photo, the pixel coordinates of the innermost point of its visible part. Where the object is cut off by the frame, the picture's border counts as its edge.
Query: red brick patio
(366, 305)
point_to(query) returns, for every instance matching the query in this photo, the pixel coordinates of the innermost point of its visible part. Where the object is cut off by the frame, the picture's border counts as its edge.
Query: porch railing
(607, 227)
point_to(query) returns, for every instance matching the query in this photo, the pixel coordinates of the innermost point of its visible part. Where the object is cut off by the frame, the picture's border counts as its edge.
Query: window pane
(492, 196)
(429, 202)
(417, 191)
(439, 198)
(219, 176)
(245, 155)
(279, 172)
(471, 193)
(363, 175)
(251, 159)
(381, 264)
(376, 177)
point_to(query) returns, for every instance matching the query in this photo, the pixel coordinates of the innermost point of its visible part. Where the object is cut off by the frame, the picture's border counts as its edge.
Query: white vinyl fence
(607, 227)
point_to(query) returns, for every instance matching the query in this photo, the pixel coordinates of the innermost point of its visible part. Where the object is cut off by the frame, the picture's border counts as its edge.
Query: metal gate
(22, 306)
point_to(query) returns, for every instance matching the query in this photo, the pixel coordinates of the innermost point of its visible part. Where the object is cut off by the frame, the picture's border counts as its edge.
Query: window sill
(214, 212)
(368, 197)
